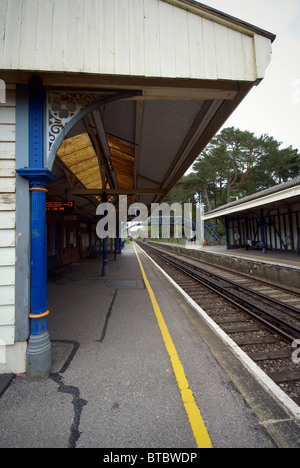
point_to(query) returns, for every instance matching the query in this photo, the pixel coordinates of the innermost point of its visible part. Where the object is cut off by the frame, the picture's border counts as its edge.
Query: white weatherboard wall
(151, 38)
(12, 356)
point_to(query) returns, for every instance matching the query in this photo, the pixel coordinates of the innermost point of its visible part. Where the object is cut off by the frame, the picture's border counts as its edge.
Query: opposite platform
(275, 267)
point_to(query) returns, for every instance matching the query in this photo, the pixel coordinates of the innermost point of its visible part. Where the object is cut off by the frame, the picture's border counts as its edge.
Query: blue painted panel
(36, 122)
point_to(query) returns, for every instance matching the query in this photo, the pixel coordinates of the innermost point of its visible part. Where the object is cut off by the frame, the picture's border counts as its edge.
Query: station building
(105, 99)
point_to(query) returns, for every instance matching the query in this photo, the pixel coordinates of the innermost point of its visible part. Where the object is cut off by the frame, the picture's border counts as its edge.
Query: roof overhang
(274, 198)
(150, 142)
(164, 96)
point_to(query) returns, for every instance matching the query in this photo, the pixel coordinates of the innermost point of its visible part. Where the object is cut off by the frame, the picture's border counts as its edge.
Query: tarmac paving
(112, 384)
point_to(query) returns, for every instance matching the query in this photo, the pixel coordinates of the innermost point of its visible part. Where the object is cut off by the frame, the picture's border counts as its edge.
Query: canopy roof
(146, 84)
(279, 196)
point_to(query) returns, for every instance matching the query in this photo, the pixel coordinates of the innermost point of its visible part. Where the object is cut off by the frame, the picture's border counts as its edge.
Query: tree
(184, 190)
(284, 166)
(236, 163)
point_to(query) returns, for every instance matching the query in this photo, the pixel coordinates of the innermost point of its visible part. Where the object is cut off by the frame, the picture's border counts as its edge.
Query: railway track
(263, 320)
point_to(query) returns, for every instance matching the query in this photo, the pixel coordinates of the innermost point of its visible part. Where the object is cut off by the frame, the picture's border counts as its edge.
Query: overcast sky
(273, 107)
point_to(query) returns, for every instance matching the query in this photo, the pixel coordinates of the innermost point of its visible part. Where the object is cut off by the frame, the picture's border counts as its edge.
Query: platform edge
(286, 403)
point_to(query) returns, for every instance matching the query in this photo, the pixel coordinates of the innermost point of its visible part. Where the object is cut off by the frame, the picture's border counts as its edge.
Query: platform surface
(278, 257)
(113, 384)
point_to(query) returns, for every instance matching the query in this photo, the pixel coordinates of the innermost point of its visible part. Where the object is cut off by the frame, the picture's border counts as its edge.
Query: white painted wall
(13, 355)
(153, 38)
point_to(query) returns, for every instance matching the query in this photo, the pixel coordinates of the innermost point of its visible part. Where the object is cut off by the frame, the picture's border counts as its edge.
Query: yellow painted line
(197, 424)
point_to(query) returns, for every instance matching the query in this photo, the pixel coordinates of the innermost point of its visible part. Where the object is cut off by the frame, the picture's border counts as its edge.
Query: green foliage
(235, 164)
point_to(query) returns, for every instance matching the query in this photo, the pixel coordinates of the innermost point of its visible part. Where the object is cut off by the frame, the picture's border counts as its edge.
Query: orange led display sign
(60, 206)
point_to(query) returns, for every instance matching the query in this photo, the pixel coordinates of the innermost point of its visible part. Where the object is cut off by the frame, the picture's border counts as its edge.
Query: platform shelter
(108, 98)
(268, 220)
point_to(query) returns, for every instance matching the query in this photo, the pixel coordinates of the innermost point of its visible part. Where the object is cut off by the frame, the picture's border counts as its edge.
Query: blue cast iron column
(105, 256)
(117, 235)
(263, 234)
(227, 232)
(39, 345)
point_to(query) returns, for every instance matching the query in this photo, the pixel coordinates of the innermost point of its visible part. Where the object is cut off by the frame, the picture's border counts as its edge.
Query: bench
(55, 267)
(254, 245)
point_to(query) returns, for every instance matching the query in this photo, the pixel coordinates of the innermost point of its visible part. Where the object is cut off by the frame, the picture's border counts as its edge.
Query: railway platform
(136, 365)
(276, 257)
(277, 267)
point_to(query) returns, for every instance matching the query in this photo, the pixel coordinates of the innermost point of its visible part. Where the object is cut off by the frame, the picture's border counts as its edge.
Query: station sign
(60, 206)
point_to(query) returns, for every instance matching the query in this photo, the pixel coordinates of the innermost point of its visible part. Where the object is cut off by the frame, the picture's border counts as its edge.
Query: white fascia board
(257, 203)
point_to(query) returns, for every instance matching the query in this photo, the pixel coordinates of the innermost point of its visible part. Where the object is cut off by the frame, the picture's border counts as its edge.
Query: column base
(105, 270)
(39, 356)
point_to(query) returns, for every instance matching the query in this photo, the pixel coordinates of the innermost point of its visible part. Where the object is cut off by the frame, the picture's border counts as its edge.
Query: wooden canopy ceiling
(80, 160)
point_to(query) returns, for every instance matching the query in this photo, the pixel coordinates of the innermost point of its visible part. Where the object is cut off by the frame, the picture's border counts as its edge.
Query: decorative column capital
(38, 177)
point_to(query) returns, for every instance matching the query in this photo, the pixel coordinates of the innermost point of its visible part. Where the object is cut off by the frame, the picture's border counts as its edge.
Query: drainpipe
(39, 345)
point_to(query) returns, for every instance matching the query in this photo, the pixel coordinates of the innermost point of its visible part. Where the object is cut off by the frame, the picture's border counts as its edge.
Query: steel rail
(275, 302)
(290, 332)
(242, 275)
